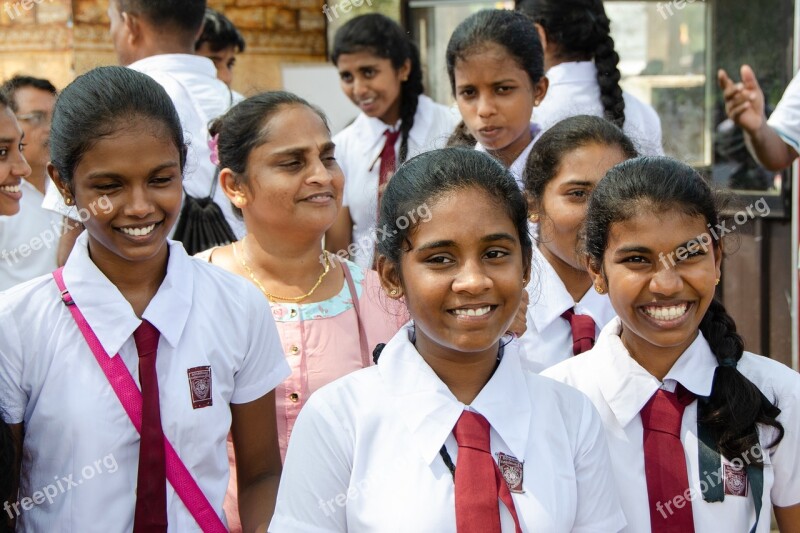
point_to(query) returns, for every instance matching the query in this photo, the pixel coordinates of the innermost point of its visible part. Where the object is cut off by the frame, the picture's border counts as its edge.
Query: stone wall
(59, 39)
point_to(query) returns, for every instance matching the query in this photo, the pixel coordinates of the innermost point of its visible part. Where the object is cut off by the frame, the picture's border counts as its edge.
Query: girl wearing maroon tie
(563, 168)
(122, 373)
(449, 432)
(380, 72)
(703, 435)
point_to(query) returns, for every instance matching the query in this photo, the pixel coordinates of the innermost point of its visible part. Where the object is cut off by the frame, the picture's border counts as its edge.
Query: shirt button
(293, 313)
(294, 349)
(294, 397)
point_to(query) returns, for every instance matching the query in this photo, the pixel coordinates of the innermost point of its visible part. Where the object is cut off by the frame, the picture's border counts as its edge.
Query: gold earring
(599, 289)
(68, 201)
(534, 217)
(717, 282)
(393, 293)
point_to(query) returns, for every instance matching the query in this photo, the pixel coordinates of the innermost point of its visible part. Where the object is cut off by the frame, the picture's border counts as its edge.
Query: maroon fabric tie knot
(150, 515)
(479, 482)
(388, 157)
(665, 461)
(583, 331)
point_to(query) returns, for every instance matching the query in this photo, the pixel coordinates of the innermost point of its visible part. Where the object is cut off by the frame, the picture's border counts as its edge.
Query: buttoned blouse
(619, 387)
(358, 149)
(76, 427)
(548, 338)
(574, 91)
(365, 454)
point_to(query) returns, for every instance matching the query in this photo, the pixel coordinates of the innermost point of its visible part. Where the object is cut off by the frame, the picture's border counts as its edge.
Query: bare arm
(258, 461)
(340, 235)
(788, 518)
(744, 105)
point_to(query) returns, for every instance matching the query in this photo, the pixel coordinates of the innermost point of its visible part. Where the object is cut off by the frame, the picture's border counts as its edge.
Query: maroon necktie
(583, 328)
(388, 157)
(665, 462)
(478, 480)
(151, 487)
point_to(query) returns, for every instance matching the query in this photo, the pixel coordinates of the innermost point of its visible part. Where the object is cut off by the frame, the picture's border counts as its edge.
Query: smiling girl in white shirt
(703, 435)
(380, 72)
(214, 356)
(496, 68)
(563, 168)
(382, 449)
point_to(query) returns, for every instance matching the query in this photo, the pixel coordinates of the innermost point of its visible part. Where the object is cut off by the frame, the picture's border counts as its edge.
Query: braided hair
(381, 36)
(736, 406)
(581, 31)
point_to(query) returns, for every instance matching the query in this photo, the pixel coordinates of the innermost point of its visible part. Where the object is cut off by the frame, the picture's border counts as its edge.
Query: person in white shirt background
(29, 239)
(157, 38)
(116, 134)
(564, 315)
(582, 67)
(674, 358)
(380, 72)
(387, 448)
(496, 68)
(220, 42)
(13, 169)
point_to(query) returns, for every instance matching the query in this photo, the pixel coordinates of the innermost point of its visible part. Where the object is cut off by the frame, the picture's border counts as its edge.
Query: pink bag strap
(362, 335)
(131, 399)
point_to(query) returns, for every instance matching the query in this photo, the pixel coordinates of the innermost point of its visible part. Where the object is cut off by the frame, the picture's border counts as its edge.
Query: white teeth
(473, 312)
(138, 232)
(667, 313)
(10, 188)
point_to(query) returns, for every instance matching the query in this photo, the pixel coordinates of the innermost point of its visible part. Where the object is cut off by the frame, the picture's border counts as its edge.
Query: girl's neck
(657, 360)
(509, 154)
(577, 282)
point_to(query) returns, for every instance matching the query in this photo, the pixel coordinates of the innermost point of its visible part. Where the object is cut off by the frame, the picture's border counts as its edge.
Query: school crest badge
(200, 386)
(512, 469)
(735, 480)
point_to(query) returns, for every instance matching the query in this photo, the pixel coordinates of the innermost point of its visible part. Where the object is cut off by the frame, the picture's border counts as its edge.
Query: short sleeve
(599, 509)
(786, 117)
(316, 475)
(264, 366)
(784, 457)
(13, 398)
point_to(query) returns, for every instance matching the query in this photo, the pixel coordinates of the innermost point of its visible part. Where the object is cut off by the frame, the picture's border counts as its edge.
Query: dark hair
(102, 102)
(510, 29)
(4, 101)
(381, 36)
(8, 459)
(581, 31)
(219, 32)
(568, 135)
(11, 86)
(433, 174)
(185, 16)
(461, 137)
(245, 127)
(735, 405)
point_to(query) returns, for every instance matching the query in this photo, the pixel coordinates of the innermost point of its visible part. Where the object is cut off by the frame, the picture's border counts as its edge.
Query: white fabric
(548, 339)
(29, 239)
(517, 168)
(364, 454)
(786, 117)
(619, 387)
(358, 148)
(199, 97)
(50, 380)
(574, 91)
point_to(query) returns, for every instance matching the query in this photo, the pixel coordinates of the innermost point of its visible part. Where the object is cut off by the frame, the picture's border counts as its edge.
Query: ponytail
(736, 405)
(410, 91)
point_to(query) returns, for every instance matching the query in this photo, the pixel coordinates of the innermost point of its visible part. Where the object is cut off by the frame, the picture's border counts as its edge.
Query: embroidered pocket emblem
(735, 480)
(511, 468)
(200, 386)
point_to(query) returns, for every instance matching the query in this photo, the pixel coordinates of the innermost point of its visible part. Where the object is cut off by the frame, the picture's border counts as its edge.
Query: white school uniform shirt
(29, 239)
(75, 426)
(365, 452)
(199, 97)
(619, 387)
(574, 91)
(786, 117)
(548, 338)
(517, 168)
(358, 149)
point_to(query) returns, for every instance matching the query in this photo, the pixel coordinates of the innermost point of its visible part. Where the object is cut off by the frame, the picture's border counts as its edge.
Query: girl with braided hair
(703, 435)
(582, 66)
(380, 72)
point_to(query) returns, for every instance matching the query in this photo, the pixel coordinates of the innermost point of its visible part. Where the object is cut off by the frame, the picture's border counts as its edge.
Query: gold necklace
(275, 297)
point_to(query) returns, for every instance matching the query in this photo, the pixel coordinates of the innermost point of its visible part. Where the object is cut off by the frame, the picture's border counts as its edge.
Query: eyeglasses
(35, 118)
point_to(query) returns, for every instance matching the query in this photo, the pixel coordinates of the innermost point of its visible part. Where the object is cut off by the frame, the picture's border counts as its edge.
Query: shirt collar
(517, 168)
(429, 409)
(572, 71)
(176, 63)
(627, 386)
(110, 315)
